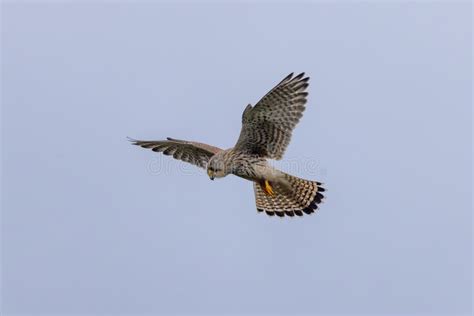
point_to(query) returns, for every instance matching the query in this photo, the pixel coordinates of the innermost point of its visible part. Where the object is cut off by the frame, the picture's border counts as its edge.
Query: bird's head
(216, 167)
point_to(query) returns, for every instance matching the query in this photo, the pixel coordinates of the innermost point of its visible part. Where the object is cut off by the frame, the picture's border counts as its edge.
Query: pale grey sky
(92, 225)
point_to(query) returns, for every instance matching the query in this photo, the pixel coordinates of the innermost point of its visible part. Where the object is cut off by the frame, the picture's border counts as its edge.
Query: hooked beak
(210, 174)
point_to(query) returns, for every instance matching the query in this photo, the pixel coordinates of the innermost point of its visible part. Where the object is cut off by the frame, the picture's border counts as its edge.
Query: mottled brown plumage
(267, 127)
(195, 153)
(266, 132)
(303, 197)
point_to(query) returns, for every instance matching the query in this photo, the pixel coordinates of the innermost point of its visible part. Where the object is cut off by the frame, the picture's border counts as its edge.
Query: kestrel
(266, 132)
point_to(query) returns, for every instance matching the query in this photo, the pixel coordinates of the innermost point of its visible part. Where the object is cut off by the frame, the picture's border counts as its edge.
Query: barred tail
(293, 196)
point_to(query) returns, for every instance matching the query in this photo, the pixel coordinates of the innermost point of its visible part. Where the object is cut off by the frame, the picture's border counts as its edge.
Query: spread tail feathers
(302, 197)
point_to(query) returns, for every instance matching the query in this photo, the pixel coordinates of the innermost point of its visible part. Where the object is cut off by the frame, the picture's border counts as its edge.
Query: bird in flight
(265, 134)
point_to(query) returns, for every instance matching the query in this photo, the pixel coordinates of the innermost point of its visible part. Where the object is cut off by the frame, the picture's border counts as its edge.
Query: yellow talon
(268, 188)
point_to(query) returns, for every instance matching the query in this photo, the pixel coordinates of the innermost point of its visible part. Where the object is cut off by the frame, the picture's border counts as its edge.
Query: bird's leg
(267, 188)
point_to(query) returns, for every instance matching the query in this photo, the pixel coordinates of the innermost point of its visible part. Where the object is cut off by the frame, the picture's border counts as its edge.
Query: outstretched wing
(267, 127)
(195, 153)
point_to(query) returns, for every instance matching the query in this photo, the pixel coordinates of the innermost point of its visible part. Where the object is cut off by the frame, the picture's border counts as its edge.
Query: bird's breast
(249, 167)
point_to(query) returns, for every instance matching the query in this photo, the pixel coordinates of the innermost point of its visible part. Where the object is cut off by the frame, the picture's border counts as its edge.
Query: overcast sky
(92, 225)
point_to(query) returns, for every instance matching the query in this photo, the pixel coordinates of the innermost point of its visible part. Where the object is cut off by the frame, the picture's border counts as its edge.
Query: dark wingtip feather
(305, 80)
(299, 76)
(171, 139)
(133, 141)
(287, 78)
